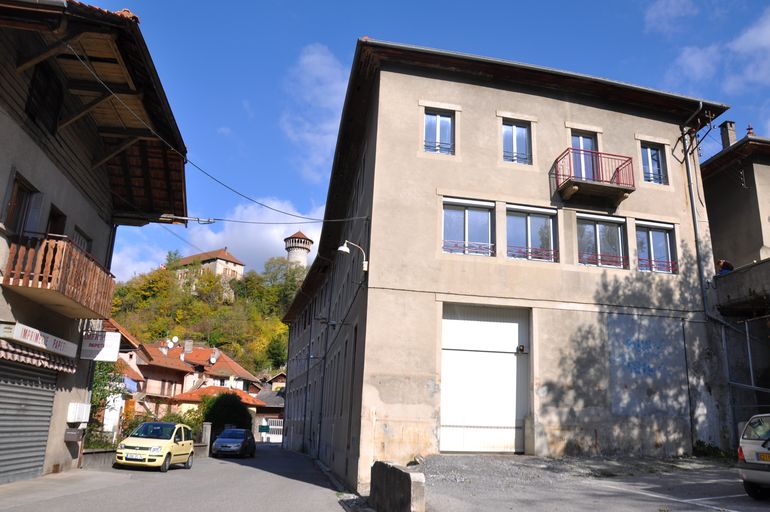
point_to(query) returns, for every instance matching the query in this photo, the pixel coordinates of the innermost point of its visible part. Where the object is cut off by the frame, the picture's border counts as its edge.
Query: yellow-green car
(157, 444)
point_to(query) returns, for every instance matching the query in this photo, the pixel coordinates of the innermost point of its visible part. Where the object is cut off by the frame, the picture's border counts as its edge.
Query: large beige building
(534, 279)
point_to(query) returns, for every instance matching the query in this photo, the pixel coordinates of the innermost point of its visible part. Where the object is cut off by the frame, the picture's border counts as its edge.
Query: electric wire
(187, 160)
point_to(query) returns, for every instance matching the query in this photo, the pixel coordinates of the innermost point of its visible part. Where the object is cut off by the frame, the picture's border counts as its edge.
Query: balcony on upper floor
(591, 176)
(53, 271)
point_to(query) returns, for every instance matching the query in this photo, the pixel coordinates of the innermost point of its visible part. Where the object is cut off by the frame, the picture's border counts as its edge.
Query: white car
(754, 457)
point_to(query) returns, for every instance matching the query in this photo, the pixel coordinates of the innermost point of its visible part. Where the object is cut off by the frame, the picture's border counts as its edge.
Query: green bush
(227, 409)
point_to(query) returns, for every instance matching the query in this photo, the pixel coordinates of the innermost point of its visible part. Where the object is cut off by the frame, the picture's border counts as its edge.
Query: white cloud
(252, 243)
(665, 16)
(248, 109)
(136, 258)
(316, 84)
(751, 56)
(694, 65)
(224, 130)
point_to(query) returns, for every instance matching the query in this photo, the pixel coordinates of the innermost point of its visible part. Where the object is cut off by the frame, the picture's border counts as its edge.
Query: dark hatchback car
(234, 441)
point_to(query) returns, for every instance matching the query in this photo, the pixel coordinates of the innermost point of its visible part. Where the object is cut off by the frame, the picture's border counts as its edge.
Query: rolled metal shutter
(26, 401)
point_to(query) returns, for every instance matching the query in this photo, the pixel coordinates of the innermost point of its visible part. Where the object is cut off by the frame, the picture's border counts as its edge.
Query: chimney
(727, 130)
(750, 130)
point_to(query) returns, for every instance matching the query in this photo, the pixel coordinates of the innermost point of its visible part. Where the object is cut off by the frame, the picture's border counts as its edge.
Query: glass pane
(661, 261)
(478, 231)
(517, 235)
(540, 237)
(522, 144)
(646, 164)
(507, 142)
(430, 132)
(609, 244)
(454, 228)
(586, 242)
(445, 134)
(643, 249)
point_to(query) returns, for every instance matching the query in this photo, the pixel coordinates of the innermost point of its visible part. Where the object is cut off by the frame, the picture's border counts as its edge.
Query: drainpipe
(693, 211)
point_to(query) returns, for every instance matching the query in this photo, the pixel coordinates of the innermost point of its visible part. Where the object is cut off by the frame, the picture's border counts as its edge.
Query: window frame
(528, 211)
(469, 205)
(619, 222)
(517, 123)
(671, 265)
(439, 113)
(23, 215)
(646, 147)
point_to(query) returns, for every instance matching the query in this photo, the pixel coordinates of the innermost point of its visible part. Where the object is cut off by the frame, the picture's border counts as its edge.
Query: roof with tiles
(129, 371)
(298, 234)
(203, 257)
(196, 396)
(224, 366)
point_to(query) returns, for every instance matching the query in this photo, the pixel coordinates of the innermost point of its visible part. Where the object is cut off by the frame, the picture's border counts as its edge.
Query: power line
(187, 160)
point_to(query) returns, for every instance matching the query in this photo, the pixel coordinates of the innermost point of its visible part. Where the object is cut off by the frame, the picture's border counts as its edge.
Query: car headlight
(121, 446)
(155, 449)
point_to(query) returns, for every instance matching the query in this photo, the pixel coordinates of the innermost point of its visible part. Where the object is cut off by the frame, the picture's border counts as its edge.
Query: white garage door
(484, 379)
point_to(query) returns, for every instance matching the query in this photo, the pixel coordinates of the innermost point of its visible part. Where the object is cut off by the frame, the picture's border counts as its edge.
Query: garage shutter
(484, 379)
(26, 400)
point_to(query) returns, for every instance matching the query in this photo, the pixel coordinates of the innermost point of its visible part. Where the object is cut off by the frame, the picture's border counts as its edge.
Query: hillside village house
(527, 225)
(219, 262)
(736, 184)
(75, 163)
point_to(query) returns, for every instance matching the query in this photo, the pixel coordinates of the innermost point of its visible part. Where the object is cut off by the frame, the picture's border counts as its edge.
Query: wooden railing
(55, 263)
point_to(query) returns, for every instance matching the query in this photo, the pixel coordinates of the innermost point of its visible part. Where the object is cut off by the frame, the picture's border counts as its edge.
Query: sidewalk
(51, 487)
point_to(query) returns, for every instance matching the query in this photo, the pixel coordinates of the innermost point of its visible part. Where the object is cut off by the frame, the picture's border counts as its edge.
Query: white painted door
(484, 379)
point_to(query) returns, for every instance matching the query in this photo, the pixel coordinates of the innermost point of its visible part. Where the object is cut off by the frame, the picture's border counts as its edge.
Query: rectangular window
(531, 233)
(655, 248)
(585, 159)
(517, 143)
(439, 132)
(600, 241)
(654, 163)
(45, 97)
(22, 211)
(468, 227)
(82, 240)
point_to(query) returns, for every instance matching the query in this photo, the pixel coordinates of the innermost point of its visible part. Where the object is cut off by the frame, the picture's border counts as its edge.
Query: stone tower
(297, 248)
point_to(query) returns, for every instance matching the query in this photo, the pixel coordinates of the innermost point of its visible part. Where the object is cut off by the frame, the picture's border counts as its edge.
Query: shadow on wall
(619, 383)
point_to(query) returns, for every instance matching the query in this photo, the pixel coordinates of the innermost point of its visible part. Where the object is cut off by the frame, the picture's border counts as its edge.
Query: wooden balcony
(591, 176)
(55, 273)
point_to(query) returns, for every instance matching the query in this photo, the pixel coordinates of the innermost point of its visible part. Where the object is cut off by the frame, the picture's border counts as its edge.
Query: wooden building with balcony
(89, 144)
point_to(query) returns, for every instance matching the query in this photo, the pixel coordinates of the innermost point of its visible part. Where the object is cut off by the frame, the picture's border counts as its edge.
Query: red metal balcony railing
(53, 271)
(666, 266)
(461, 247)
(593, 166)
(533, 253)
(604, 260)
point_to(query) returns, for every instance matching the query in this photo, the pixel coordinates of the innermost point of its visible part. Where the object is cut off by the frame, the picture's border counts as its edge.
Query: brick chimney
(727, 129)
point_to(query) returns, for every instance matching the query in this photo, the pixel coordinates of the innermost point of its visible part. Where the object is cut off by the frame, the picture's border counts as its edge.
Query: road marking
(718, 497)
(664, 497)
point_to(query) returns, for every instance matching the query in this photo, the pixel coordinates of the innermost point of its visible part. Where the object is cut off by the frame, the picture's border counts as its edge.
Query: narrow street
(280, 480)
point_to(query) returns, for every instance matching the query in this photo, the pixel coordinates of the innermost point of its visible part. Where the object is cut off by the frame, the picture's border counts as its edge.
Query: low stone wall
(97, 459)
(396, 489)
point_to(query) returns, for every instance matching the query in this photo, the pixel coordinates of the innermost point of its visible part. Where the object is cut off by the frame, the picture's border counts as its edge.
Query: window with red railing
(531, 233)
(655, 247)
(468, 227)
(601, 241)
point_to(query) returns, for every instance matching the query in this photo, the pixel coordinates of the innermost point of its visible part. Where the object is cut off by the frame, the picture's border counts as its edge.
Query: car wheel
(755, 491)
(189, 463)
(166, 463)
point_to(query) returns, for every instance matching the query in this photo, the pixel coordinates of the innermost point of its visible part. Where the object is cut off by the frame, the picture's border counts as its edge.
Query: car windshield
(758, 429)
(233, 434)
(154, 430)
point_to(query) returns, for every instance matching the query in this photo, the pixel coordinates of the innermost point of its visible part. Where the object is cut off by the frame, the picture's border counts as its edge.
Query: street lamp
(344, 248)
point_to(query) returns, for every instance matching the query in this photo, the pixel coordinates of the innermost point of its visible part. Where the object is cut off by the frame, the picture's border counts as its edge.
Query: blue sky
(257, 87)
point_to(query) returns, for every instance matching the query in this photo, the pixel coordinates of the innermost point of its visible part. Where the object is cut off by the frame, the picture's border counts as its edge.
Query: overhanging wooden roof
(125, 101)
(748, 148)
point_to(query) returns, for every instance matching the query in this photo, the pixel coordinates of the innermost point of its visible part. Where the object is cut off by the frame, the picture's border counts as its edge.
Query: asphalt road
(274, 480)
(479, 483)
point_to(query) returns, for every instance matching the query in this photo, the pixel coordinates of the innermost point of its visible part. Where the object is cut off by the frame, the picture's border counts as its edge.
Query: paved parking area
(275, 480)
(456, 483)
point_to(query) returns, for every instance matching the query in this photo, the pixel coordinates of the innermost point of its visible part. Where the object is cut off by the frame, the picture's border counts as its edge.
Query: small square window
(439, 132)
(655, 249)
(654, 163)
(517, 142)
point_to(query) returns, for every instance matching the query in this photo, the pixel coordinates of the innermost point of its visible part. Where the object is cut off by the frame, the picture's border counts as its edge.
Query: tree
(172, 259)
(227, 409)
(277, 351)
